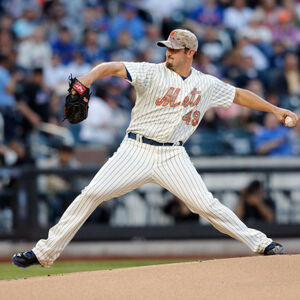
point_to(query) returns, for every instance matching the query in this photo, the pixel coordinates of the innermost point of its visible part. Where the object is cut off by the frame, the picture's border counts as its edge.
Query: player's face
(175, 58)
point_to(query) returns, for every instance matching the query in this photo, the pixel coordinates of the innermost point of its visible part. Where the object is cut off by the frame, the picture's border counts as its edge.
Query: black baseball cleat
(25, 259)
(274, 249)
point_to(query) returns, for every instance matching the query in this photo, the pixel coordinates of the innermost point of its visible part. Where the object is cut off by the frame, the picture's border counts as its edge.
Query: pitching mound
(274, 277)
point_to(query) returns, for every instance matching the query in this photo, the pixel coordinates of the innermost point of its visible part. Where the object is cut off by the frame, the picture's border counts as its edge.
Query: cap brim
(168, 44)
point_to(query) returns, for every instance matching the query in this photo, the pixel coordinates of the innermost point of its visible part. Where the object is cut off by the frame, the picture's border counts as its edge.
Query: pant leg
(129, 168)
(177, 174)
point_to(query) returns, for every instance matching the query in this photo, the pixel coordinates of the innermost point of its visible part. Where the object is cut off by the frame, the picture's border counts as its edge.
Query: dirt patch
(274, 277)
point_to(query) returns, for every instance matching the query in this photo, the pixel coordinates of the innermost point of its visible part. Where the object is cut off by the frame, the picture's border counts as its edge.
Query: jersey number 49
(192, 118)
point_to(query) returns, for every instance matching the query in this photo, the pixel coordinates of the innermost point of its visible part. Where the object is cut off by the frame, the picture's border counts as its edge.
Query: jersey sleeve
(141, 73)
(222, 93)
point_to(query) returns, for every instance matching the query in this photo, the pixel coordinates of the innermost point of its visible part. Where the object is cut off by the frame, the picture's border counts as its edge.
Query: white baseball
(289, 121)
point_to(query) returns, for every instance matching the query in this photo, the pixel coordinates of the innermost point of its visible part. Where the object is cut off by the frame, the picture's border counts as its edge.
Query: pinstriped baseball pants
(133, 165)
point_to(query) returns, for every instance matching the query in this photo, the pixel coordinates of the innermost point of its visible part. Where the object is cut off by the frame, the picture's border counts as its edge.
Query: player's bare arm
(102, 70)
(248, 99)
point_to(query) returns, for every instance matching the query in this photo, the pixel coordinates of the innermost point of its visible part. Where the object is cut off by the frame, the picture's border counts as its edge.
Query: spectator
(148, 44)
(295, 139)
(296, 7)
(8, 157)
(253, 204)
(98, 128)
(116, 90)
(95, 18)
(13, 154)
(256, 86)
(58, 188)
(247, 49)
(55, 14)
(120, 105)
(276, 58)
(273, 98)
(6, 100)
(25, 26)
(6, 23)
(78, 66)
(209, 13)
(204, 64)
(212, 121)
(256, 31)
(179, 211)
(129, 20)
(293, 7)
(272, 139)
(35, 52)
(237, 16)
(64, 45)
(287, 82)
(242, 118)
(239, 68)
(124, 49)
(212, 44)
(269, 9)
(286, 31)
(33, 100)
(160, 10)
(6, 42)
(92, 51)
(55, 73)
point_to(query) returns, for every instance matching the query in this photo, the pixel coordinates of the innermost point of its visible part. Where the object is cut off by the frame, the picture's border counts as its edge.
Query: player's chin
(169, 65)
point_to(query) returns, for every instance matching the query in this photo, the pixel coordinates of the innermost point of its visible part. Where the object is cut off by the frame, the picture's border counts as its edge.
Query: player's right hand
(281, 114)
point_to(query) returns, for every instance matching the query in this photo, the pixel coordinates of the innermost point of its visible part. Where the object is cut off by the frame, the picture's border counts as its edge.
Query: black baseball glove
(77, 101)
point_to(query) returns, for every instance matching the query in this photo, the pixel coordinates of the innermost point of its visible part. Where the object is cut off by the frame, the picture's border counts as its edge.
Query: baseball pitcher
(172, 98)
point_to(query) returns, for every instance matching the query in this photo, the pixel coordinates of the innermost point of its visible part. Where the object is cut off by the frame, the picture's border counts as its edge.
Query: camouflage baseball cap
(180, 39)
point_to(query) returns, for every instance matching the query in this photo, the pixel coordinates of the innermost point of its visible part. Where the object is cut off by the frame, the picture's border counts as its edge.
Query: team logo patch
(85, 99)
(78, 87)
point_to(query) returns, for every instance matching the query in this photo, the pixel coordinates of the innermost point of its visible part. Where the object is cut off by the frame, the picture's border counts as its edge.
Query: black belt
(151, 142)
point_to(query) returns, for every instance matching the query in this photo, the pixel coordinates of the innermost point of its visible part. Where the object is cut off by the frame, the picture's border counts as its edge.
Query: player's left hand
(77, 99)
(281, 114)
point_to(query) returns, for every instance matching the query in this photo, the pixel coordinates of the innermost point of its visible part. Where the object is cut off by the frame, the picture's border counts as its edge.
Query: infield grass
(10, 271)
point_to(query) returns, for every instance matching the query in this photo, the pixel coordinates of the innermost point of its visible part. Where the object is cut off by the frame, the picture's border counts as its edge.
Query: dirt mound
(275, 277)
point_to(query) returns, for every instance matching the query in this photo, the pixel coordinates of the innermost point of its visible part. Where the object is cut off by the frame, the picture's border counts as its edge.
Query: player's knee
(208, 206)
(90, 194)
(212, 206)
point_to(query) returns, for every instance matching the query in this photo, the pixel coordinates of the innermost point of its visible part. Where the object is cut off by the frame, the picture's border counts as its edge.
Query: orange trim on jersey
(167, 95)
(193, 94)
(169, 98)
(173, 99)
(196, 118)
(196, 101)
(186, 101)
(187, 118)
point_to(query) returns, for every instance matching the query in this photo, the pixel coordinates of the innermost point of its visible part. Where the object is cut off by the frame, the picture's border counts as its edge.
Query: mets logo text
(171, 95)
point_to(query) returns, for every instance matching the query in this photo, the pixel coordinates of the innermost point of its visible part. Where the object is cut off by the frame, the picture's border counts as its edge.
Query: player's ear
(191, 53)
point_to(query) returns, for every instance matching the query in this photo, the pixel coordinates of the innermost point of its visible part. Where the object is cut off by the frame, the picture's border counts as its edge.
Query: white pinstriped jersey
(168, 109)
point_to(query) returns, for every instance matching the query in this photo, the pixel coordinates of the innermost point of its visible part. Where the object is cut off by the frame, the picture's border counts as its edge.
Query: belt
(132, 135)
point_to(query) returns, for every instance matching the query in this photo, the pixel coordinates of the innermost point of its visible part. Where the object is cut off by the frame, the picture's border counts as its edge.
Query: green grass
(10, 271)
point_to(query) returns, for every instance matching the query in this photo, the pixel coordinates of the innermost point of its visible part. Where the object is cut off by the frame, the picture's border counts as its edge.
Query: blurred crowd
(250, 44)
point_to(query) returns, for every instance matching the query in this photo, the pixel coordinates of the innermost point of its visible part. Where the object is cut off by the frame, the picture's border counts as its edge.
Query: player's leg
(128, 169)
(180, 177)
